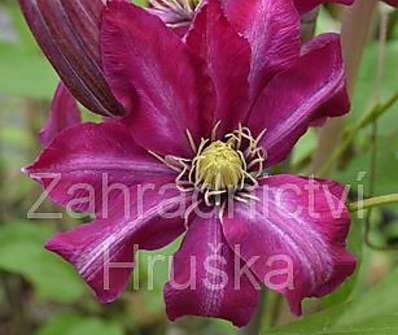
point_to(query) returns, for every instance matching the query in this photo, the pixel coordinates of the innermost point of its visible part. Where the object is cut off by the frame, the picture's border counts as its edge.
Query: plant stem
(373, 202)
(355, 31)
(376, 111)
(349, 135)
(373, 138)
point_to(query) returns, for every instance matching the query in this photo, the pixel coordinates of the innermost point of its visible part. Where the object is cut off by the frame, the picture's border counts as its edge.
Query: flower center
(174, 12)
(219, 167)
(220, 170)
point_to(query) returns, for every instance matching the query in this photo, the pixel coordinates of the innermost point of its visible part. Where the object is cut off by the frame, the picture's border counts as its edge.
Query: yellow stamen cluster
(219, 167)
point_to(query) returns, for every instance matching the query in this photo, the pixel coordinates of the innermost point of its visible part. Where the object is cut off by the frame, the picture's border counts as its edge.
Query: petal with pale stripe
(297, 232)
(272, 28)
(103, 251)
(313, 89)
(205, 282)
(87, 165)
(228, 56)
(173, 91)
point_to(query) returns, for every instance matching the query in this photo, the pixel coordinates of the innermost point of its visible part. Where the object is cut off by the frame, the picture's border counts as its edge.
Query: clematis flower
(68, 33)
(206, 117)
(178, 14)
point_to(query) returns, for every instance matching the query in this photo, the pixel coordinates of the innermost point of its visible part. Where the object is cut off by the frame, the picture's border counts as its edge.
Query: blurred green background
(40, 294)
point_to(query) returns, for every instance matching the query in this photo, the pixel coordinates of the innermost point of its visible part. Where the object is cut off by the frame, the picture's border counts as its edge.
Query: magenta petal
(393, 3)
(96, 161)
(68, 33)
(272, 28)
(86, 239)
(338, 101)
(174, 93)
(298, 234)
(64, 113)
(311, 90)
(182, 30)
(102, 251)
(304, 6)
(203, 281)
(228, 56)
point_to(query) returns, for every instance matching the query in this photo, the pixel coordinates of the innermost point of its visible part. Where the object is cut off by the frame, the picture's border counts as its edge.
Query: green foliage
(375, 312)
(387, 165)
(143, 3)
(24, 71)
(366, 91)
(74, 324)
(22, 252)
(25, 74)
(353, 309)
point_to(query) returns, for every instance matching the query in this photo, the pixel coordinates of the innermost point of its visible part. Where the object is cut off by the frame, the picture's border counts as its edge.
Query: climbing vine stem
(373, 202)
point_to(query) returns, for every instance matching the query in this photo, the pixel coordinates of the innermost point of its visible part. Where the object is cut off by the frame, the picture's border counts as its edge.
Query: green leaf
(374, 312)
(24, 70)
(143, 3)
(74, 324)
(22, 252)
(386, 171)
(24, 73)
(304, 147)
(364, 96)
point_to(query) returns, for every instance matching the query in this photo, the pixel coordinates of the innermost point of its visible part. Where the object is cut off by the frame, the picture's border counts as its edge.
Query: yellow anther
(220, 167)
(220, 170)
